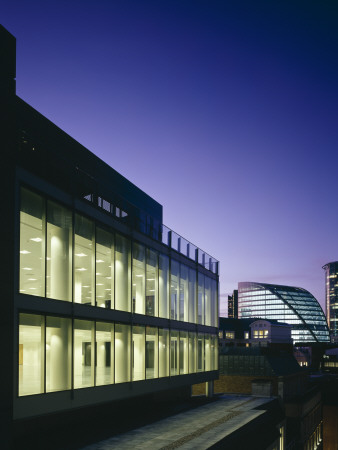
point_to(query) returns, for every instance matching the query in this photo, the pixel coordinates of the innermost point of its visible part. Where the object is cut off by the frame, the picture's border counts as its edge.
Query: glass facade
(56, 354)
(331, 298)
(291, 305)
(68, 257)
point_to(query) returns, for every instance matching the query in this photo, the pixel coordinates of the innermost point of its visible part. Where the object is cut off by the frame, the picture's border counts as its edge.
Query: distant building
(331, 298)
(292, 305)
(233, 305)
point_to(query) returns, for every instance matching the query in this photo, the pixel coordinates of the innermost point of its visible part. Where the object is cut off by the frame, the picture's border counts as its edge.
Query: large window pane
(104, 269)
(200, 304)
(174, 289)
(192, 295)
(164, 286)
(84, 261)
(207, 300)
(151, 283)
(214, 303)
(151, 352)
(58, 353)
(105, 353)
(32, 244)
(138, 290)
(59, 252)
(183, 352)
(31, 354)
(174, 352)
(208, 352)
(163, 352)
(200, 352)
(184, 293)
(84, 353)
(122, 273)
(122, 353)
(138, 355)
(192, 352)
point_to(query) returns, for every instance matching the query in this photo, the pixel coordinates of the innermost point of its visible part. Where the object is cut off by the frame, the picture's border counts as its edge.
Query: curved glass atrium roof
(292, 305)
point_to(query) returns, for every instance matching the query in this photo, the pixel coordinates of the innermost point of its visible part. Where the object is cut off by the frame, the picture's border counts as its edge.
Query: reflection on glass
(151, 352)
(122, 273)
(163, 352)
(174, 289)
(138, 290)
(59, 252)
(208, 352)
(32, 243)
(84, 353)
(174, 352)
(58, 354)
(151, 283)
(31, 354)
(164, 286)
(104, 269)
(183, 352)
(122, 353)
(84, 261)
(104, 353)
(214, 303)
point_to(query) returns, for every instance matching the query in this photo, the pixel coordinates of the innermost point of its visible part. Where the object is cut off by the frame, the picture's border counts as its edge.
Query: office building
(101, 301)
(331, 298)
(233, 305)
(291, 305)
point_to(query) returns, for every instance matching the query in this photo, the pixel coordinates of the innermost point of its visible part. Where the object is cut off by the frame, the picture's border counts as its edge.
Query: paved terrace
(198, 428)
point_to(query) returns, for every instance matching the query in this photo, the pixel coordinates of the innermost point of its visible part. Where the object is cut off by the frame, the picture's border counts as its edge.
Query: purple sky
(224, 111)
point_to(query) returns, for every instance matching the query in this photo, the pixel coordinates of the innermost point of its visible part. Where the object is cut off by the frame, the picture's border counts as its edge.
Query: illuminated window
(230, 335)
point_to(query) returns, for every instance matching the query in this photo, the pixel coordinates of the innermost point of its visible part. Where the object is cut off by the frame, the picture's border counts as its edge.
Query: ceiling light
(32, 279)
(26, 268)
(37, 239)
(81, 255)
(150, 279)
(99, 260)
(81, 269)
(107, 289)
(138, 275)
(99, 284)
(24, 252)
(108, 278)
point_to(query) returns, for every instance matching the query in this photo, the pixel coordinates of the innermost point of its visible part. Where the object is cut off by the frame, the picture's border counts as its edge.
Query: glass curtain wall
(84, 352)
(122, 273)
(98, 270)
(138, 290)
(104, 353)
(152, 283)
(164, 286)
(31, 354)
(122, 352)
(58, 354)
(151, 352)
(104, 269)
(32, 243)
(84, 261)
(59, 252)
(174, 289)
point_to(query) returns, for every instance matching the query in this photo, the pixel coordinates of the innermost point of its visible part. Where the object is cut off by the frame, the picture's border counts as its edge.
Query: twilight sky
(225, 112)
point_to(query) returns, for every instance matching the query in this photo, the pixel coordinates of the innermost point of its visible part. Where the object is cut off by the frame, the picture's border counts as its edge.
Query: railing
(158, 232)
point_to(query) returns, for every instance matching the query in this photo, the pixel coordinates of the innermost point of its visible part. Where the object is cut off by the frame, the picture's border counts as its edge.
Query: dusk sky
(225, 112)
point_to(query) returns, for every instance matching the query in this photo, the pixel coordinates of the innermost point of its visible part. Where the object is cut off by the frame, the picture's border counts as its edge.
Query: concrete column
(209, 389)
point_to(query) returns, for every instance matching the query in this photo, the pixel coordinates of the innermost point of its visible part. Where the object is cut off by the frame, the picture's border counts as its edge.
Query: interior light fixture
(81, 269)
(24, 252)
(27, 268)
(150, 279)
(32, 279)
(99, 284)
(37, 239)
(108, 278)
(107, 289)
(80, 255)
(138, 276)
(99, 260)
(97, 273)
